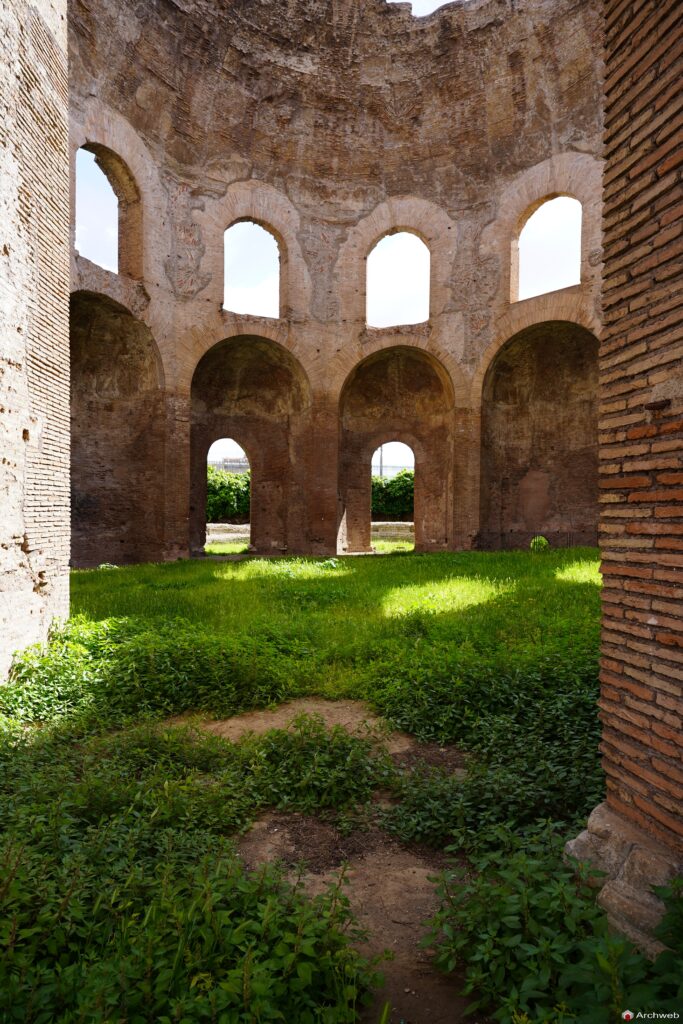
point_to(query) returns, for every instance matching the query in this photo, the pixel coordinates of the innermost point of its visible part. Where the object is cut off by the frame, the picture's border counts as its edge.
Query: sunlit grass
(342, 611)
(230, 547)
(446, 596)
(586, 571)
(392, 547)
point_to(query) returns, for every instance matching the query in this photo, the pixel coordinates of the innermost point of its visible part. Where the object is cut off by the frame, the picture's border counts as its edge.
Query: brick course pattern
(641, 422)
(641, 462)
(34, 340)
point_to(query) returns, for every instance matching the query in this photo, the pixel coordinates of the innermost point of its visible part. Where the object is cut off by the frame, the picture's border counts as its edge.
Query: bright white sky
(398, 281)
(97, 214)
(421, 7)
(398, 266)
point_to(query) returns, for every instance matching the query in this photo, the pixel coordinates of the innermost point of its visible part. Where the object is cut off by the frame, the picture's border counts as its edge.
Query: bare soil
(388, 884)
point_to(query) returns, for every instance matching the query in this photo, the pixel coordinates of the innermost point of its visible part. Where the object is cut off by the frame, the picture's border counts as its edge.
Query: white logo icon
(627, 1015)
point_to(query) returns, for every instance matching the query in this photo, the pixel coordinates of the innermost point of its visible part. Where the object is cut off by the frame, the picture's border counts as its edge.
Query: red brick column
(641, 460)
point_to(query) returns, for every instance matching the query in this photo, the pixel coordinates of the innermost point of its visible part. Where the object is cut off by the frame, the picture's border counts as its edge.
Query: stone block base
(632, 862)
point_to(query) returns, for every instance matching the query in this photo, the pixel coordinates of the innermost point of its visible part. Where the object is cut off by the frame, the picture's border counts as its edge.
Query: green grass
(392, 547)
(345, 611)
(494, 652)
(230, 547)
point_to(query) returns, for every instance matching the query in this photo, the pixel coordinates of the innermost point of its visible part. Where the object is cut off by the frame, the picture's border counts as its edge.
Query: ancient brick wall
(641, 423)
(331, 128)
(636, 837)
(539, 456)
(34, 353)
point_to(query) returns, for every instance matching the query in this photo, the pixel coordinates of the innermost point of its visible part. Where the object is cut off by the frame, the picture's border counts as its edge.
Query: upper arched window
(252, 270)
(397, 291)
(549, 248)
(108, 212)
(97, 214)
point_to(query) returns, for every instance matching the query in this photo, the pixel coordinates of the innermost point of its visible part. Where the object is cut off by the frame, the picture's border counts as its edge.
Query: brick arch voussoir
(265, 205)
(397, 343)
(400, 213)
(578, 175)
(561, 306)
(196, 345)
(120, 151)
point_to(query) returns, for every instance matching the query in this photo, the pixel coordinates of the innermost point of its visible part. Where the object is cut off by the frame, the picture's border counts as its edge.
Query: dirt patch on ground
(388, 883)
(392, 896)
(353, 715)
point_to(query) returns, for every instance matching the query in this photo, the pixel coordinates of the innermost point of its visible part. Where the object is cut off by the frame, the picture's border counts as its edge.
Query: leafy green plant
(392, 497)
(538, 544)
(121, 897)
(228, 496)
(534, 944)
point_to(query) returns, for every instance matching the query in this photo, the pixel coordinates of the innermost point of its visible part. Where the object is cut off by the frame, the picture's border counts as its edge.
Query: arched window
(252, 270)
(397, 286)
(108, 211)
(97, 214)
(228, 498)
(549, 248)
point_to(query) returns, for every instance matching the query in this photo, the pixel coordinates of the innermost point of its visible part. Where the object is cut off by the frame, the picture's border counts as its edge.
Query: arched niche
(397, 394)
(118, 435)
(539, 463)
(251, 389)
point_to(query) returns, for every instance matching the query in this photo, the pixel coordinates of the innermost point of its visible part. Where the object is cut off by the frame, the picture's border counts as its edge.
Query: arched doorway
(118, 436)
(228, 498)
(393, 493)
(539, 465)
(251, 389)
(398, 394)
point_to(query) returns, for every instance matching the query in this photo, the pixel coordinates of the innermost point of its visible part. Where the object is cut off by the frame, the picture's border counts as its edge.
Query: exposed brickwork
(641, 422)
(636, 837)
(539, 457)
(333, 126)
(34, 353)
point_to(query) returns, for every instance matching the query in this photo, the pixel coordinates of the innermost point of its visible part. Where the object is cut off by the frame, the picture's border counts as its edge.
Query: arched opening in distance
(117, 436)
(253, 391)
(548, 251)
(539, 463)
(398, 394)
(108, 212)
(228, 498)
(252, 270)
(393, 493)
(398, 281)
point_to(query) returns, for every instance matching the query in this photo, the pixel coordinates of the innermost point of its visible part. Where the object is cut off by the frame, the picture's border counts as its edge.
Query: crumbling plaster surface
(331, 122)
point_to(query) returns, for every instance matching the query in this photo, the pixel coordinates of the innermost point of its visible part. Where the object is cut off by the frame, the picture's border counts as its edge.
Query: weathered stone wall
(34, 355)
(637, 837)
(118, 435)
(332, 125)
(254, 391)
(539, 456)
